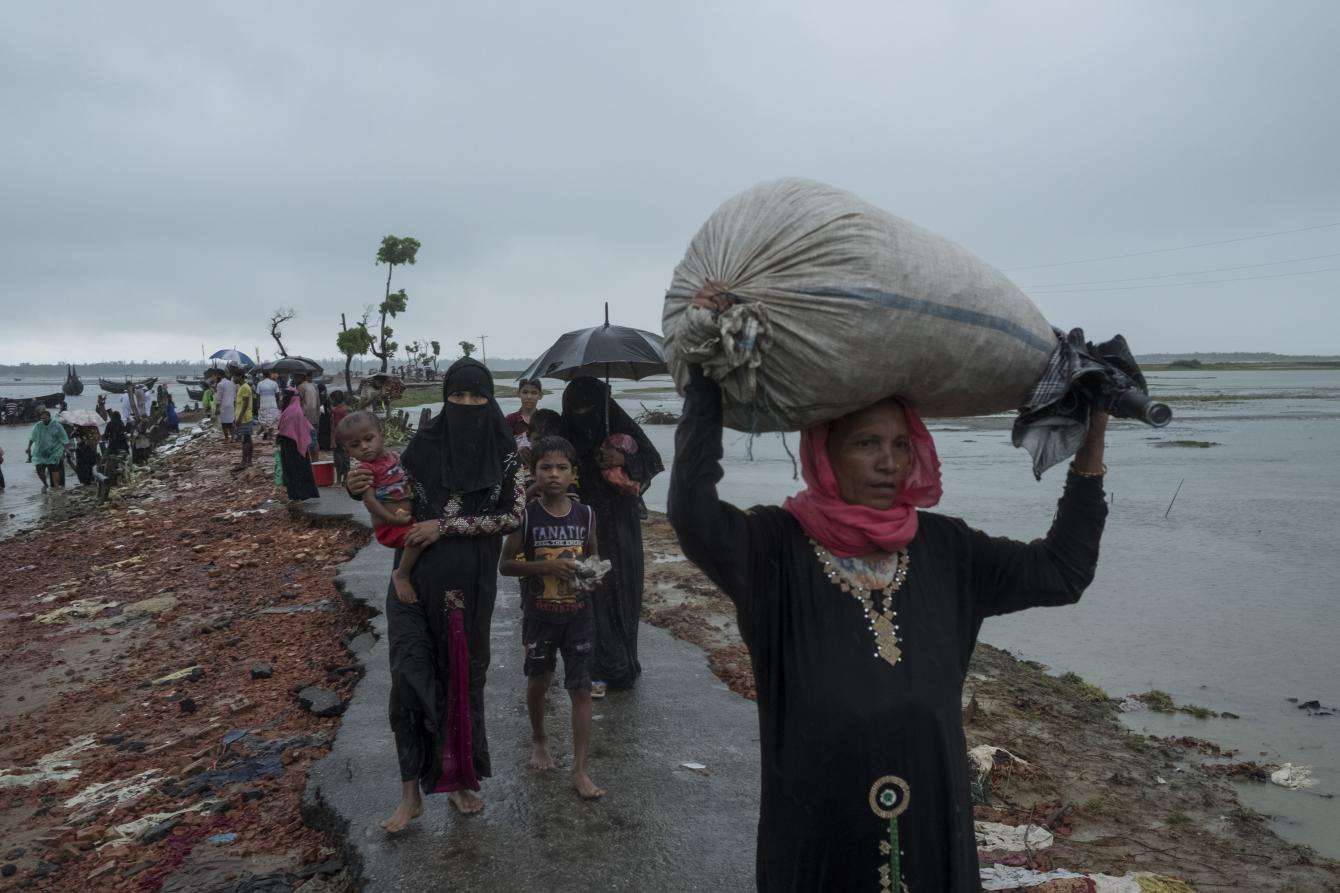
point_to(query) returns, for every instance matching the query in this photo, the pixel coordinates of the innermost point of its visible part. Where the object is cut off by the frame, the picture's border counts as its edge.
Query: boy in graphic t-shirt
(556, 533)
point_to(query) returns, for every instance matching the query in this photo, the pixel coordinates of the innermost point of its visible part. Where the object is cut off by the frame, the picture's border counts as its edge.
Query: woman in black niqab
(463, 472)
(589, 416)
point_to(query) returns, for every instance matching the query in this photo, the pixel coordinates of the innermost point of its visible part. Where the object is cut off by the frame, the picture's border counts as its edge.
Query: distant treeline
(145, 369)
(1236, 358)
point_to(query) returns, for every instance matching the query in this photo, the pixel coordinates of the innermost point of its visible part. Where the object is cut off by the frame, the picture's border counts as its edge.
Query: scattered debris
(987, 758)
(152, 824)
(110, 795)
(320, 702)
(1315, 708)
(1293, 777)
(188, 674)
(656, 416)
(55, 766)
(156, 605)
(994, 836)
(84, 607)
(304, 608)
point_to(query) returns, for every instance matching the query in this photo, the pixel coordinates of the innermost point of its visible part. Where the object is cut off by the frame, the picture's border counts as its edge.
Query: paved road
(660, 826)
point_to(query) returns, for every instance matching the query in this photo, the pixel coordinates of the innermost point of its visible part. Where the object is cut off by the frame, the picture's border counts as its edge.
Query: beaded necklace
(876, 604)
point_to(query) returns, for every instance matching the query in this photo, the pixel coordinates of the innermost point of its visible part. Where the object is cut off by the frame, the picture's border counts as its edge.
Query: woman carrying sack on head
(860, 613)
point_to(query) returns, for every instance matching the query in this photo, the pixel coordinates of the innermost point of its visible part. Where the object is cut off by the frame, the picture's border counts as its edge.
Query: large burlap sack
(841, 305)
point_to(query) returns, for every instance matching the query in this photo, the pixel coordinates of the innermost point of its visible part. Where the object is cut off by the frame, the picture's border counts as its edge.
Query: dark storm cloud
(175, 172)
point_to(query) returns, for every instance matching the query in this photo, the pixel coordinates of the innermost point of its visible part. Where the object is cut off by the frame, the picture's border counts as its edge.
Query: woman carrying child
(466, 494)
(589, 418)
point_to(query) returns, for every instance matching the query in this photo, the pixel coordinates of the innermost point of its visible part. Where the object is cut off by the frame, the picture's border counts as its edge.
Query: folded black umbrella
(1081, 377)
(606, 350)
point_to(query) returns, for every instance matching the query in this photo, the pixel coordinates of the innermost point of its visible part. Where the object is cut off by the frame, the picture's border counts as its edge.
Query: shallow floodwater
(22, 502)
(1231, 602)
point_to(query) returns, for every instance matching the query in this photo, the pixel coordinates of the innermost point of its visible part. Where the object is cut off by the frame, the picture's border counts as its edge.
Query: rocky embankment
(172, 664)
(1066, 798)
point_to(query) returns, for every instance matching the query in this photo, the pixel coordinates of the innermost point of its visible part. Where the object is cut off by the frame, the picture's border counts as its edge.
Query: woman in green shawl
(46, 450)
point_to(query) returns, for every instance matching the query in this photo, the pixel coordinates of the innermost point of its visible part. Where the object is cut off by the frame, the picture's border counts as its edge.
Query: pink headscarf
(294, 425)
(848, 530)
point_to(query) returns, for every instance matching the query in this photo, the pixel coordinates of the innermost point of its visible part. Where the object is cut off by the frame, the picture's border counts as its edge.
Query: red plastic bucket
(324, 472)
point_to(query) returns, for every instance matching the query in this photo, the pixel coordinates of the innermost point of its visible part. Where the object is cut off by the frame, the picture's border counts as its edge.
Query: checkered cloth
(1080, 376)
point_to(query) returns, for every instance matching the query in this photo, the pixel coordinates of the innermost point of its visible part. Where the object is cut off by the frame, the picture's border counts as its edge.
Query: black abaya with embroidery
(465, 475)
(863, 760)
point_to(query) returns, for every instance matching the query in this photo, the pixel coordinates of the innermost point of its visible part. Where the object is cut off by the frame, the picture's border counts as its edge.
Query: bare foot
(406, 812)
(468, 802)
(585, 787)
(404, 589)
(540, 757)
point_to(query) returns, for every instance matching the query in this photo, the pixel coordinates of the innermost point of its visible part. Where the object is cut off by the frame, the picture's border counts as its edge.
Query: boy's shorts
(392, 535)
(574, 638)
(243, 429)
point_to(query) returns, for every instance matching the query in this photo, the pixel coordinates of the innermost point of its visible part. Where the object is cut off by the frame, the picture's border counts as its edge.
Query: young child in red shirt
(389, 499)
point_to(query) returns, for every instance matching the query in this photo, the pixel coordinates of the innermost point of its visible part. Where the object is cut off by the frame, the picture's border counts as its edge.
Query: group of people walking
(472, 477)
(298, 414)
(860, 609)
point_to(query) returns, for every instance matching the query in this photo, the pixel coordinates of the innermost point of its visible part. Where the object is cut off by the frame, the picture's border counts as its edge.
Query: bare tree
(277, 319)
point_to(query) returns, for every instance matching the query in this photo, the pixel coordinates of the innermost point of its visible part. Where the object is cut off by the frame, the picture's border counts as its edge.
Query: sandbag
(842, 304)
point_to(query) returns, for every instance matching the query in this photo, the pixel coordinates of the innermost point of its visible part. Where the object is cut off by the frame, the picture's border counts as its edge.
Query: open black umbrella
(611, 351)
(293, 366)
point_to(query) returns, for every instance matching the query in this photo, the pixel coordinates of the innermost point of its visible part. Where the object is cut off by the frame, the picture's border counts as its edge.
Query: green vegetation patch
(1088, 691)
(1158, 701)
(1162, 702)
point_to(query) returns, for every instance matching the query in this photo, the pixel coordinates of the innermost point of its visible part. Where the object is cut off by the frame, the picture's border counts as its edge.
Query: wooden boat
(24, 410)
(73, 386)
(195, 393)
(195, 380)
(119, 387)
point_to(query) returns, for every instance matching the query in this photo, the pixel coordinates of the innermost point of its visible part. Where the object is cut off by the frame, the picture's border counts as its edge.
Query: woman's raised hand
(713, 296)
(357, 481)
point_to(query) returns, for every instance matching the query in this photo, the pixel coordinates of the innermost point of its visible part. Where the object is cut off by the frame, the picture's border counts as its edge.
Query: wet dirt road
(660, 825)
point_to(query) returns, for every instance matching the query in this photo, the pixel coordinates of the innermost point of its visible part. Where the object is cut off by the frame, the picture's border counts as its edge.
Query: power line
(1203, 282)
(1273, 263)
(1090, 260)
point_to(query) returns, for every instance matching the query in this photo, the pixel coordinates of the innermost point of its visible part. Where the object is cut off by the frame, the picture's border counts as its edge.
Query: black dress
(463, 562)
(860, 757)
(298, 480)
(617, 604)
(464, 474)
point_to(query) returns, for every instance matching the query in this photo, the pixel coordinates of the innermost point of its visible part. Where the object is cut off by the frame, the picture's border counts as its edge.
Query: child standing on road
(388, 499)
(556, 533)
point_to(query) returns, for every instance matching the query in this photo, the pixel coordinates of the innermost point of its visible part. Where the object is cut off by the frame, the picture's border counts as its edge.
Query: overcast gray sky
(172, 172)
